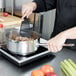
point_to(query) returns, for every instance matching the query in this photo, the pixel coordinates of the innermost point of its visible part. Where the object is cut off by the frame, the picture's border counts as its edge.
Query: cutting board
(9, 20)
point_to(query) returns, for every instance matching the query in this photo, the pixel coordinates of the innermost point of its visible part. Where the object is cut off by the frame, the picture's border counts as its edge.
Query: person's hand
(56, 43)
(27, 9)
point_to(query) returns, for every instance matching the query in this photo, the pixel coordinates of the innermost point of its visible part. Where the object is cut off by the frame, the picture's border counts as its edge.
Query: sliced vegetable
(65, 72)
(72, 63)
(68, 67)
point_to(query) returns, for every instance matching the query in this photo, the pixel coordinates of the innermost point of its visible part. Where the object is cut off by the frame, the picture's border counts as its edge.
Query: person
(65, 22)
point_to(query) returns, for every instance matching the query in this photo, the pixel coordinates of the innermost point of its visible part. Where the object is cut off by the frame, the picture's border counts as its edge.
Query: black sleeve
(45, 5)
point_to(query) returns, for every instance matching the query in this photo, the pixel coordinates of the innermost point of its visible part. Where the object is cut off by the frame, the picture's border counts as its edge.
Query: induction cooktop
(22, 60)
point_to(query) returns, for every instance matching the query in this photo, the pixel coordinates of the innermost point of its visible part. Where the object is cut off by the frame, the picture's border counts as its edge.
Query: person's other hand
(27, 9)
(56, 43)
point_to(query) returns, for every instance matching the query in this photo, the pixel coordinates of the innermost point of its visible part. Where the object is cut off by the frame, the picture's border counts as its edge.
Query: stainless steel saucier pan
(21, 45)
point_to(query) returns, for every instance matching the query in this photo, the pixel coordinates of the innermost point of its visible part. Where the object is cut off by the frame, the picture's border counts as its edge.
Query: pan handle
(45, 44)
(69, 45)
(41, 44)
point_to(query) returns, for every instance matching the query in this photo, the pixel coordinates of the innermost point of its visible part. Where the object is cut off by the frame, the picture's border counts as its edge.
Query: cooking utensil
(21, 45)
(45, 44)
(41, 44)
(25, 28)
(69, 45)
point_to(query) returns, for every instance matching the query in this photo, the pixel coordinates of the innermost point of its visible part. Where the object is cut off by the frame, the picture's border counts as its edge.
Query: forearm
(70, 33)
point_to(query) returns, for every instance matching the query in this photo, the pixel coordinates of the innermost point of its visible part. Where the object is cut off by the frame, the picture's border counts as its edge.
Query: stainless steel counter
(9, 69)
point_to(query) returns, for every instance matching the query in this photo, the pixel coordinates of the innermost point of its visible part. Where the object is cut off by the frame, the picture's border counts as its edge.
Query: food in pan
(19, 38)
(33, 36)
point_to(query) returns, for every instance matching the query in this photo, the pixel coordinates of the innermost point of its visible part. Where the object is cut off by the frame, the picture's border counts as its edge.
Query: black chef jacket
(65, 13)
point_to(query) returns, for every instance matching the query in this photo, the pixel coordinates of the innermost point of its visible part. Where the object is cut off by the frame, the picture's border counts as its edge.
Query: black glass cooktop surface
(39, 50)
(20, 60)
